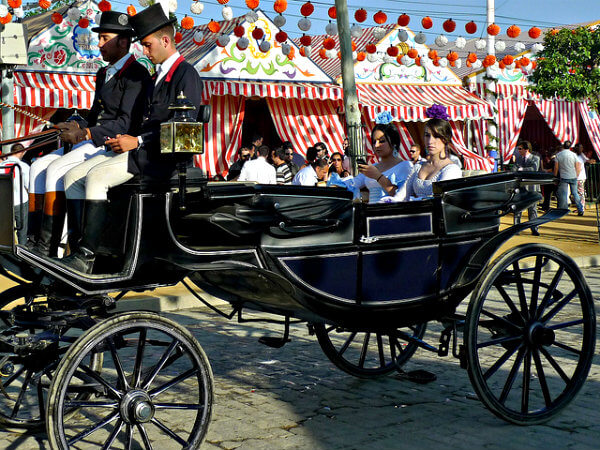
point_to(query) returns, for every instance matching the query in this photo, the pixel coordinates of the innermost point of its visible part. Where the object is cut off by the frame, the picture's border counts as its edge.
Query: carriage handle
(308, 225)
(505, 208)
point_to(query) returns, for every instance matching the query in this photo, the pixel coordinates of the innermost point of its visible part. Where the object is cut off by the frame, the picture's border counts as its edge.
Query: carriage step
(273, 342)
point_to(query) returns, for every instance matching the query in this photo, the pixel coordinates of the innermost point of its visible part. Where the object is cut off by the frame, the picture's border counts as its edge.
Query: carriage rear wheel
(368, 354)
(530, 334)
(156, 386)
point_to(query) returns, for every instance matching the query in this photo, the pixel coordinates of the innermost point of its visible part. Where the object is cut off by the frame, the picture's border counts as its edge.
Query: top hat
(150, 20)
(114, 22)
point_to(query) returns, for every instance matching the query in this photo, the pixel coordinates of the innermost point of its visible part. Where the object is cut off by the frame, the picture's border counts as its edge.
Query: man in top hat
(117, 109)
(135, 154)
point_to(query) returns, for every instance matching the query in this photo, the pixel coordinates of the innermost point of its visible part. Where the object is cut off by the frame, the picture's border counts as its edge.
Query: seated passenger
(337, 165)
(390, 173)
(312, 173)
(437, 167)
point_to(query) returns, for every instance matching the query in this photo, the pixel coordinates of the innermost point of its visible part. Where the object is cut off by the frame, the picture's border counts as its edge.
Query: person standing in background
(569, 167)
(527, 161)
(578, 149)
(20, 171)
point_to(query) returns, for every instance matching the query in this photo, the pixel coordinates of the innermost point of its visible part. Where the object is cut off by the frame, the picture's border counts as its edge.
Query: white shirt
(163, 69)
(258, 170)
(112, 69)
(19, 186)
(306, 177)
(582, 159)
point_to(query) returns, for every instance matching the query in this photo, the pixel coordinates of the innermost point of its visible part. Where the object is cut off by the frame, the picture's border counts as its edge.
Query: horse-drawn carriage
(366, 278)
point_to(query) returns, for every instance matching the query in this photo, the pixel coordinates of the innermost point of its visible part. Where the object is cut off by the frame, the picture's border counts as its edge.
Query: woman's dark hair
(332, 166)
(525, 144)
(390, 132)
(440, 129)
(311, 154)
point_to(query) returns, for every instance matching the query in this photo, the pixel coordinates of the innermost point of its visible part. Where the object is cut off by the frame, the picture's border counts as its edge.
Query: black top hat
(114, 22)
(150, 20)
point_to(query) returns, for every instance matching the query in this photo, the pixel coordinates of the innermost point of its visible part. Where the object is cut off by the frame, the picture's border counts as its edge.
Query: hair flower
(384, 118)
(436, 111)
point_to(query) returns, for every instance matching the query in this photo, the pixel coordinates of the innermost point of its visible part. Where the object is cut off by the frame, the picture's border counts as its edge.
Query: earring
(395, 153)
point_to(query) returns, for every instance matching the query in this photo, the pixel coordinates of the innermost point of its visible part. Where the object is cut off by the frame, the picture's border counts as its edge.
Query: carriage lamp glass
(182, 134)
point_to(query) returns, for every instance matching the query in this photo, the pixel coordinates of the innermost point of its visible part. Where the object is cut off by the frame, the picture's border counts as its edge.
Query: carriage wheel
(530, 334)
(156, 385)
(25, 378)
(368, 354)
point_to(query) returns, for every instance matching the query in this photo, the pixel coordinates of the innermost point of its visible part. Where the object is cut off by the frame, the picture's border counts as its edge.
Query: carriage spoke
(347, 343)
(89, 372)
(145, 438)
(507, 354)
(508, 300)
(380, 349)
(546, 300)
(526, 382)
(189, 406)
(13, 377)
(542, 377)
(150, 378)
(521, 290)
(85, 433)
(90, 404)
(129, 438)
(535, 288)
(560, 306)
(117, 362)
(137, 368)
(512, 376)
(21, 394)
(168, 432)
(113, 435)
(566, 324)
(178, 379)
(501, 340)
(555, 365)
(40, 395)
(364, 350)
(500, 319)
(567, 348)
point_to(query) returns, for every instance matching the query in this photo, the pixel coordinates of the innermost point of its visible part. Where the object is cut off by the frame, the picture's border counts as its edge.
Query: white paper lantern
(243, 43)
(198, 36)
(379, 33)
(279, 21)
(197, 7)
(406, 60)
(420, 38)
(227, 13)
(172, 6)
(251, 16)
(461, 42)
(73, 13)
(19, 12)
(356, 31)
(519, 47)
(537, 47)
(477, 64)
(480, 44)
(143, 3)
(458, 63)
(354, 55)
(388, 59)
(443, 62)
(441, 40)
(331, 53)
(265, 46)
(286, 49)
(372, 57)
(304, 24)
(223, 40)
(500, 46)
(403, 35)
(97, 18)
(331, 29)
(307, 51)
(510, 66)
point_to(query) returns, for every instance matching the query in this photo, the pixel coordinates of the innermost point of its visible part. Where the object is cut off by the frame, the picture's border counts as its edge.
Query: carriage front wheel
(530, 334)
(157, 387)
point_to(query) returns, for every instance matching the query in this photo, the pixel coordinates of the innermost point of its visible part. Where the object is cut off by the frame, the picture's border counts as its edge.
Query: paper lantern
(187, 23)
(443, 62)
(472, 57)
(264, 46)
(403, 20)
(178, 37)
(500, 46)
(460, 42)
(252, 4)
(441, 40)
(131, 10)
(458, 63)
(480, 44)
(279, 21)
(332, 12)
(223, 40)
(449, 26)
(360, 56)
(251, 16)
(242, 43)
(533, 65)
(519, 47)
(420, 38)
(508, 60)
(513, 31)
(104, 6)
(356, 31)
(280, 6)
(223, 2)
(379, 33)
(432, 54)
(493, 29)
(304, 24)
(402, 35)
(3, 10)
(84, 22)
(380, 17)
(477, 64)
(285, 49)
(73, 13)
(331, 29)
(323, 53)
(412, 53)
(371, 48)
(353, 46)
(307, 9)
(213, 26)
(360, 15)
(406, 60)
(258, 33)
(535, 32)
(17, 3)
(452, 56)
(393, 51)
(6, 19)
(227, 13)
(537, 47)
(19, 12)
(329, 43)
(172, 6)
(199, 38)
(372, 57)
(44, 4)
(489, 60)
(57, 18)
(239, 31)
(525, 61)
(305, 51)
(281, 37)
(471, 27)
(197, 7)
(305, 40)
(426, 22)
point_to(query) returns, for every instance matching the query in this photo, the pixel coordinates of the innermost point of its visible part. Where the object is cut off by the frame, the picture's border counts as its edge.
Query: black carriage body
(310, 253)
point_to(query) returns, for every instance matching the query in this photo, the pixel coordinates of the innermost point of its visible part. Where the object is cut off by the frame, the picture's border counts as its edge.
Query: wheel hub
(540, 335)
(136, 407)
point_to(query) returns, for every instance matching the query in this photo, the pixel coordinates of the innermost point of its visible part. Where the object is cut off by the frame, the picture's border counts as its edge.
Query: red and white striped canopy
(54, 90)
(306, 91)
(407, 103)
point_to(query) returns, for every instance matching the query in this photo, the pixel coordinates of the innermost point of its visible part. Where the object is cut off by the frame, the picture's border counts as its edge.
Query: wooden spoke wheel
(530, 334)
(368, 354)
(156, 385)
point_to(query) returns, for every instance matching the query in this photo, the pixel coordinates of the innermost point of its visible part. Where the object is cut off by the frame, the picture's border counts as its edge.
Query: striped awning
(407, 103)
(54, 90)
(307, 91)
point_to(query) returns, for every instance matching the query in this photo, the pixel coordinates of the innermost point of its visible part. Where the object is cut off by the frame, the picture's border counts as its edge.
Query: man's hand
(122, 143)
(71, 133)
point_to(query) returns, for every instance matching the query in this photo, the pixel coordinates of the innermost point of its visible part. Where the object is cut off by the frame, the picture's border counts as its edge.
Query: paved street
(294, 398)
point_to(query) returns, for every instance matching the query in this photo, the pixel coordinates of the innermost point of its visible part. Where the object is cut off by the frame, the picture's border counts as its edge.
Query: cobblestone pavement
(294, 398)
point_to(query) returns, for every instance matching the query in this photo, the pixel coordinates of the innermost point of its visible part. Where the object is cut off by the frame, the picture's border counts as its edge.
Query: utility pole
(352, 110)
(8, 97)
(490, 85)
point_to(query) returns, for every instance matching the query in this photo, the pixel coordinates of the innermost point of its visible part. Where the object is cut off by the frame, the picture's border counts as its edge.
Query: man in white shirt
(312, 173)
(14, 165)
(569, 167)
(259, 169)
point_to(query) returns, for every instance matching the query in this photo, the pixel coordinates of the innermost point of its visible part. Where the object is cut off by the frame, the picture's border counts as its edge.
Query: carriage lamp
(182, 134)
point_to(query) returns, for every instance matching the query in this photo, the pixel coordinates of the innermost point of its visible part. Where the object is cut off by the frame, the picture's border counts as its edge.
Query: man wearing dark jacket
(117, 109)
(133, 155)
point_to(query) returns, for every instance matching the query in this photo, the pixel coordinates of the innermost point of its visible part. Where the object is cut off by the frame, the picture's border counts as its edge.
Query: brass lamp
(182, 135)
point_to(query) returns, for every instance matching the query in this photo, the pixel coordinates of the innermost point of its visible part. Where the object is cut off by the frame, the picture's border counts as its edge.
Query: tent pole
(352, 110)
(8, 97)
(490, 86)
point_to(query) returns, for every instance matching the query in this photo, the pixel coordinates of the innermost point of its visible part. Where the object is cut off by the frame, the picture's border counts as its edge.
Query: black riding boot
(94, 218)
(50, 233)
(74, 222)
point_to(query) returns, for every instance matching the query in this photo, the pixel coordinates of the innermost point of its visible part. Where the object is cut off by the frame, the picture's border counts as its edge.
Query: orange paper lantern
(360, 56)
(44, 4)
(472, 57)
(14, 3)
(307, 9)
(533, 65)
(412, 53)
(399, 58)
(131, 10)
(353, 46)
(84, 22)
(6, 19)
(323, 53)
(178, 37)
(223, 2)
(489, 60)
(471, 27)
(371, 48)
(449, 26)
(452, 56)
(360, 15)
(433, 54)
(427, 22)
(332, 12)
(501, 65)
(535, 32)
(508, 60)
(187, 23)
(403, 20)
(214, 26)
(380, 17)
(252, 4)
(104, 6)
(305, 40)
(329, 43)
(525, 61)
(493, 29)
(57, 18)
(280, 6)
(418, 61)
(513, 31)
(393, 51)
